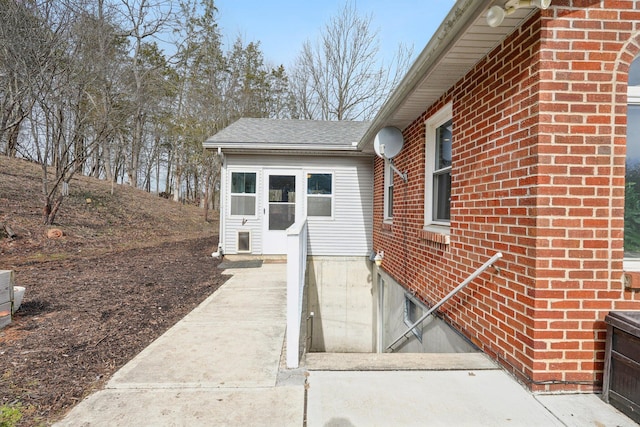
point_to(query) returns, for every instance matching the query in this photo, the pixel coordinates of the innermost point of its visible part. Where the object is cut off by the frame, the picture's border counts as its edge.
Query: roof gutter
(278, 146)
(461, 16)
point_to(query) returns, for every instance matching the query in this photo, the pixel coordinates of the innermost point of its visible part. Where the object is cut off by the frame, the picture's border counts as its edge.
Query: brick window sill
(387, 227)
(438, 235)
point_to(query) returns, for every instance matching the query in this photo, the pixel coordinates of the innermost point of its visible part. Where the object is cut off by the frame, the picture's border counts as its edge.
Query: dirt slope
(91, 216)
(129, 265)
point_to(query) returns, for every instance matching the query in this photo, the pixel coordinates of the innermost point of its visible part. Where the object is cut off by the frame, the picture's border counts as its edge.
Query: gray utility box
(621, 382)
(6, 296)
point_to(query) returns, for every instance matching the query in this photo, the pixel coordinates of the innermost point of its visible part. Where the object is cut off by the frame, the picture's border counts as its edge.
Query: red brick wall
(538, 174)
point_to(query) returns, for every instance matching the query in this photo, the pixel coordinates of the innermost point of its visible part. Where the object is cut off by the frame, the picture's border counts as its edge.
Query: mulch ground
(85, 316)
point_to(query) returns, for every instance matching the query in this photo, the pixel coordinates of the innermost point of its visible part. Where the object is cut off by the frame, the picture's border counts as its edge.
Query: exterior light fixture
(496, 14)
(378, 258)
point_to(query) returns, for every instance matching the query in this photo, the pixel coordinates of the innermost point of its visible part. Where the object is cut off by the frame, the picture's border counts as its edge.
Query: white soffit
(439, 67)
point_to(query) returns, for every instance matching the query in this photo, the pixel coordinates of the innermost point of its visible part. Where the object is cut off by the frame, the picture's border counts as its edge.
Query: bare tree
(60, 121)
(85, 88)
(105, 51)
(144, 19)
(340, 77)
(22, 38)
(66, 119)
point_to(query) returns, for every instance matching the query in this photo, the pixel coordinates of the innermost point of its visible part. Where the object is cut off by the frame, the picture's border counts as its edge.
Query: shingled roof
(248, 134)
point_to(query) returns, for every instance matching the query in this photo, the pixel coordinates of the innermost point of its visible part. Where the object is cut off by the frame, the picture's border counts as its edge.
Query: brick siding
(537, 174)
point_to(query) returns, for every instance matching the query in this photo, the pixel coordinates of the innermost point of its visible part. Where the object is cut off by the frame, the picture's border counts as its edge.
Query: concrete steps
(397, 361)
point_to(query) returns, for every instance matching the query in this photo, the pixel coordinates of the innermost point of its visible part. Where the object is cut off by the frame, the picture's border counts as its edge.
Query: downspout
(223, 186)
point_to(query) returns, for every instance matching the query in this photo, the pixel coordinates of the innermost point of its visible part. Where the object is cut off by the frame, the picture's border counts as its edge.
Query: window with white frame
(439, 131)
(413, 312)
(320, 194)
(632, 173)
(243, 193)
(388, 191)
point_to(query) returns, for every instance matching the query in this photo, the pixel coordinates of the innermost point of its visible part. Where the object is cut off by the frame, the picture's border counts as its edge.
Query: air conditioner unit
(6, 296)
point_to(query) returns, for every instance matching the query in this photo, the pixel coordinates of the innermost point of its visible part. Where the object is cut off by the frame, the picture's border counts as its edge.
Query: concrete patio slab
(579, 410)
(239, 355)
(418, 398)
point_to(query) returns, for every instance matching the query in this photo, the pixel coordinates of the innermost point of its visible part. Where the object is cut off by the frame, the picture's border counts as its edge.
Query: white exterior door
(282, 207)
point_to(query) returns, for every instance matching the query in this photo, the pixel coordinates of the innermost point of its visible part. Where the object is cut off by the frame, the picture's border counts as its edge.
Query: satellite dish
(388, 142)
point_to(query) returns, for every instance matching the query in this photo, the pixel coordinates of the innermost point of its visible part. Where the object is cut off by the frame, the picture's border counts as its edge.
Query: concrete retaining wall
(436, 335)
(340, 294)
(355, 314)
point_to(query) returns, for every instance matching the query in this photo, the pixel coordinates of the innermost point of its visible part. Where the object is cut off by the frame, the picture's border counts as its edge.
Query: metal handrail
(461, 286)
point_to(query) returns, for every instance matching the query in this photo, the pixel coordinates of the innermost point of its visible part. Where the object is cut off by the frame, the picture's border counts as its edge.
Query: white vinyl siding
(348, 232)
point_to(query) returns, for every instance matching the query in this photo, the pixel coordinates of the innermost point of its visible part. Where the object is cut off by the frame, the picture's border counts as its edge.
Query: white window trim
(631, 264)
(633, 97)
(388, 182)
(255, 195)
(442, 116)
(332, 195)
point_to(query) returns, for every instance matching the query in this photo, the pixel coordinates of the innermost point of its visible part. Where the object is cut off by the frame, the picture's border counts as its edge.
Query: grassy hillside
(90, 217)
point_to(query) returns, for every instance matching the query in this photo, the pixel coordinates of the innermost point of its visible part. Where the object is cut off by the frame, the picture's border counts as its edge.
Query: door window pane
(282, 188)
(281, 216)
(282, 198)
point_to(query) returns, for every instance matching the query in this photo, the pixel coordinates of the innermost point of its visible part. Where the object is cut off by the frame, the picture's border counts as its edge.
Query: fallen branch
(9, 231)
(101, 339)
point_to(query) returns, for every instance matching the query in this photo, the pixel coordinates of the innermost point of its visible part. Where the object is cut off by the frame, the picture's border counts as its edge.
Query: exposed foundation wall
(340, 294)
(435, 336)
